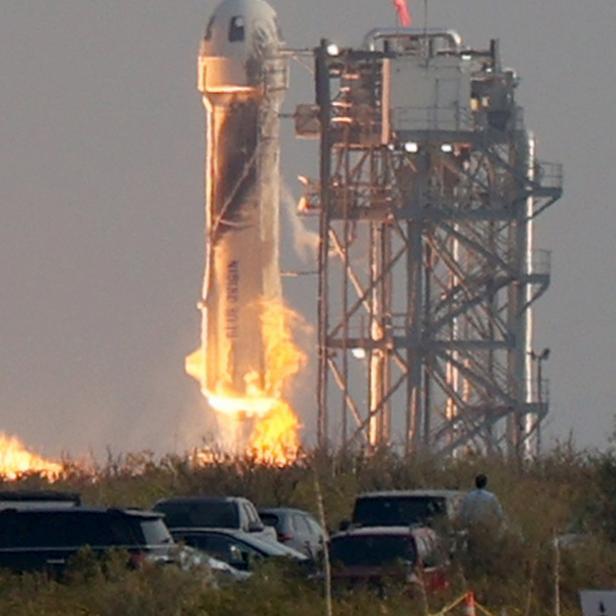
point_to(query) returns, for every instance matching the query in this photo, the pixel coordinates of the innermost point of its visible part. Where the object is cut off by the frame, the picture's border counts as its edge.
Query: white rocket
(242, 78)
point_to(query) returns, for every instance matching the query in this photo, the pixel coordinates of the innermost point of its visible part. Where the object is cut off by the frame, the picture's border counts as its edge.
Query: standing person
(480, 507)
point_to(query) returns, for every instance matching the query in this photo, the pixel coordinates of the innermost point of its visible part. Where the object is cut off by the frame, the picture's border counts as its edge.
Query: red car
(400, 555)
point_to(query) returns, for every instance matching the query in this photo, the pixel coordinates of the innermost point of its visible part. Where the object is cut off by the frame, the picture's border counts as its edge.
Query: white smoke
(305, 241)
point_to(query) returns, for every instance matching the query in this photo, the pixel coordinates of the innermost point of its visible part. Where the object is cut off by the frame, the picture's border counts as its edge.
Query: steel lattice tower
(429, 185)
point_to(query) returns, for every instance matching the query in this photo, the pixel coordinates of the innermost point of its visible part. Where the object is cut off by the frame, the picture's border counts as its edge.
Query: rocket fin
(195, 365)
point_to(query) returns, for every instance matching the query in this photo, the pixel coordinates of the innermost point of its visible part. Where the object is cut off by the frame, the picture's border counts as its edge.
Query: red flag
(403, 13)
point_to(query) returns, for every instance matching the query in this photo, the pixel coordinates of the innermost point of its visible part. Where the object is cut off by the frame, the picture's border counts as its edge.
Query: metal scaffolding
(428, 189)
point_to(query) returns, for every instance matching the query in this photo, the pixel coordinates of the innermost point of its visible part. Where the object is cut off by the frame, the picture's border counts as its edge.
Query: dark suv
(45, 539)
(38, 499)
(407, 507)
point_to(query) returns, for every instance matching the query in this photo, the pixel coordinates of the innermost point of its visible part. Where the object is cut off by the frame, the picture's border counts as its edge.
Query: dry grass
(564, 491)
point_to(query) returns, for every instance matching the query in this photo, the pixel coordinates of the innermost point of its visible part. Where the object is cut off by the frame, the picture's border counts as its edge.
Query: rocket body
(242, 79)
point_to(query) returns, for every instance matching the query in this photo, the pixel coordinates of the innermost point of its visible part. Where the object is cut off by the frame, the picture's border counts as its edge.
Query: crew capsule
(240, 36)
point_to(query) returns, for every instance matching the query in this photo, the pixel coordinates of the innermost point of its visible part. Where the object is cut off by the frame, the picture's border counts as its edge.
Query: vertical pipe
(518, 313)
(426, 317)
(410, 426)
(323, 100)
(345, 295)
(452, 372)
(372, 377)
(491, 437)
(415, 281)
(416, 330)
(387, 333)
(376, 381)
(531, 442)
(376, 310)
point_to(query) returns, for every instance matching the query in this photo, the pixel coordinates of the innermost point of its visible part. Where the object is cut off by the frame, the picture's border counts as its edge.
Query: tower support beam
(428, 190)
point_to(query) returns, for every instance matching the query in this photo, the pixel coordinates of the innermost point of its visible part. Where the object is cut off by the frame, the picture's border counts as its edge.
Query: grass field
(565, 491)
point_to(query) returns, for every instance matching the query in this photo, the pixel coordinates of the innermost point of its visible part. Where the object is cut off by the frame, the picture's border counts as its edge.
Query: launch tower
(428, 189)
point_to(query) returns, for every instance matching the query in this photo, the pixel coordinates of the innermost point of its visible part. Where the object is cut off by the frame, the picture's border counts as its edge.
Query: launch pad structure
(428, 189)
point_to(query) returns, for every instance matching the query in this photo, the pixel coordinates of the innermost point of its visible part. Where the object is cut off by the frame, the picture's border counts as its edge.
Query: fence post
(556, 575)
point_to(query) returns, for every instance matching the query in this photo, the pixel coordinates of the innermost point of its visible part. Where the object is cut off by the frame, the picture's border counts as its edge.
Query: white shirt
(480, 506)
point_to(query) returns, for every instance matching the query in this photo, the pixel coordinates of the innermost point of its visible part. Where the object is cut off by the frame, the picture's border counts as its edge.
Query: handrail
(412, 33)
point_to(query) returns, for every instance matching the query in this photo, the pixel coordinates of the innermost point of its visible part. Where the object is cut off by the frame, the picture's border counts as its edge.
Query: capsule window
(209, 30)
(236, 29)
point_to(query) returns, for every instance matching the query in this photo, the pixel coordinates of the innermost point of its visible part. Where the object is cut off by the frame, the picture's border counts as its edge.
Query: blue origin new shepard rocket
(242, 78)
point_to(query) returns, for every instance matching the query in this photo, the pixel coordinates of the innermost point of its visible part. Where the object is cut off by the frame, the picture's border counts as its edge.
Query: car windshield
(372, 550)
(397, 511)
(214, 514)
(155, 532)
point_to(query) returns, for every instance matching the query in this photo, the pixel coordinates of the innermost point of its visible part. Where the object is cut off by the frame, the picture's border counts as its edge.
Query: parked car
(295, 528)
(209, 512)
(37, 499)
(189, 558)
(236, 548)
(45, 539)
(407, 507)
(375, 556)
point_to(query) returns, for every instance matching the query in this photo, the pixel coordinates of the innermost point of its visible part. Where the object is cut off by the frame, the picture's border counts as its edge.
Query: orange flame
(275, 438)
(275, 434)
(284, 359)
(15, 460)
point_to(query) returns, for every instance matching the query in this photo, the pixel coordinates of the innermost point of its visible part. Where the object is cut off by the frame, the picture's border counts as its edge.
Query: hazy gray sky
(101, 149)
